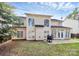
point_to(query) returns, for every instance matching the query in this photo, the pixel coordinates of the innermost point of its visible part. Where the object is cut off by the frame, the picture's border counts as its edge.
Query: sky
(57, 9)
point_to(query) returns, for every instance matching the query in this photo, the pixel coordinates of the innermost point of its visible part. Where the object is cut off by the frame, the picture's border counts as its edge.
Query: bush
(4, 38)
(77, 35)
(74, 35)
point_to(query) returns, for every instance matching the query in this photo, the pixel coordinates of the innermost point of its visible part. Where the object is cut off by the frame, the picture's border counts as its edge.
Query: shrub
(4, 38)
(74, 35)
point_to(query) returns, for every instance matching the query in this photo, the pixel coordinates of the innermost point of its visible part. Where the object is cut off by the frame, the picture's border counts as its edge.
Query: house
(74, 24)
(38, 26)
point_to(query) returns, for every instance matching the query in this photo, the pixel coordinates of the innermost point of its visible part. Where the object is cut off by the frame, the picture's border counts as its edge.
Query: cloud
(69, 6)
(49, 4)
(60, 5)
(66, 6)
(55, 5)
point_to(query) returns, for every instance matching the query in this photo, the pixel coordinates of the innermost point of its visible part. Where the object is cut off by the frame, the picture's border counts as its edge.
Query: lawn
(40, 48)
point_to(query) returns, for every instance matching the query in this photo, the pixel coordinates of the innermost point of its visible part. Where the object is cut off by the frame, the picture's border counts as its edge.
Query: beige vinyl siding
(20, 33)
(56, 23)
(72, 24)
(38, 20)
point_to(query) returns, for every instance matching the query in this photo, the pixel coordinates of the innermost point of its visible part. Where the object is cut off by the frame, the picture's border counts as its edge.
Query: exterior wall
(38, 20)
(24, 33)
(60, 30)
(72, 24)
(30, 33)
(39, 33)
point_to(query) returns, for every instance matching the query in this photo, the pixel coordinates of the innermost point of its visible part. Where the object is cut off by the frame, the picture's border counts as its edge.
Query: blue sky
(56, 9)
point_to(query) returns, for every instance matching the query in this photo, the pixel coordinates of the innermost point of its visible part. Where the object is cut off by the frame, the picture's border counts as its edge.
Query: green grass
(75, 38)
(39, 48)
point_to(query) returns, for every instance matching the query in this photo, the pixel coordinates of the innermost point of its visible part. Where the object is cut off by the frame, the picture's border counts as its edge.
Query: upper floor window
(46, 22)
(21, 21)
(31, 22)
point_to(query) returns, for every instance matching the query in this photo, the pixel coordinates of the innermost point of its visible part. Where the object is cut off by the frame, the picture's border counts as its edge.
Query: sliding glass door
(60, 35)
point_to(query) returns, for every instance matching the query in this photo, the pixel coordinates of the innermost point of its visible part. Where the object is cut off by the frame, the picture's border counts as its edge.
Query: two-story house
(38, 26)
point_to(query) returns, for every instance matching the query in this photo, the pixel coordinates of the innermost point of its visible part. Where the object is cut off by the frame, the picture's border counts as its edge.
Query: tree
(74, 15)
(9, 20)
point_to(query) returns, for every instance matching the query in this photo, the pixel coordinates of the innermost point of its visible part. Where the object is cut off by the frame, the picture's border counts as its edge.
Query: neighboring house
(37, 27)
(72, 24)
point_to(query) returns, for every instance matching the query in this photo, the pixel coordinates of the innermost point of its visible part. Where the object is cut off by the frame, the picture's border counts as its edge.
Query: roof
(38, 14)
(56, 20)
(39, 25)
(24, 16)
(60, 27)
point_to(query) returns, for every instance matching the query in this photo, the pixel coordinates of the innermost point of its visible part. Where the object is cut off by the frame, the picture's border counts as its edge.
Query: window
(21, 21)
(54, 33)
(19, 34)
(46, 22)
(45, 36)
(31, 22)
(33, 36)
(66, 34)
(39, 36)
(59, 34)
(44, 31)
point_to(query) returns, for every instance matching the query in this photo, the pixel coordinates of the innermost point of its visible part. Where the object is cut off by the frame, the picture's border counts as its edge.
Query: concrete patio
(64, 41)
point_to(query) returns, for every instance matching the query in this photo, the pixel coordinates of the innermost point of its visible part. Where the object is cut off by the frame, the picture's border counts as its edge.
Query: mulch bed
(5, 48)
